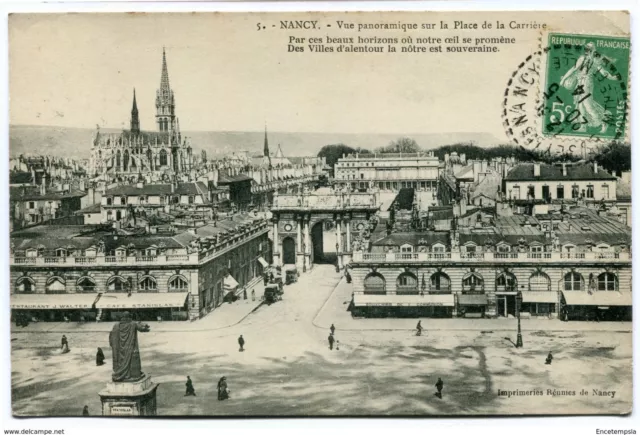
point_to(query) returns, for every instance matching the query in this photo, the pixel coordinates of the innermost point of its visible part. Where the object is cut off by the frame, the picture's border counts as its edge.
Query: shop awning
(111, 301)
(263, 262)
(480, 299)
(599, 298)
(540, 297)
(230, 283)
(362, 300)
(53, 302)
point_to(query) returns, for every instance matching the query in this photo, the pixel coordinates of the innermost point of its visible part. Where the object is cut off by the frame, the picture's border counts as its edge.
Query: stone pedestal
(129, 399)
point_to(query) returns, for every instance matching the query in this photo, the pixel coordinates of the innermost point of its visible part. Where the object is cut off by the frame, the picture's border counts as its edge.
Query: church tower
(135, 120)
(165, 103)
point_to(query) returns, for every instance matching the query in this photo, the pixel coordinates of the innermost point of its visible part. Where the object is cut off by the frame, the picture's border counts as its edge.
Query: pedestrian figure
(253, 294)
(85, 411)
(99, 357)
(223, 392)
(244, 294)
(419, 328)
(331, 340)
(439, 386)
(333, 329)
(549, 359)
(348, 276)
(190, 390)
(64, 344)
(241, 343)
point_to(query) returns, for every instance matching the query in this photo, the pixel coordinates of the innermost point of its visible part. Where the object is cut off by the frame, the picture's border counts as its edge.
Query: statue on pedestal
(123, 340)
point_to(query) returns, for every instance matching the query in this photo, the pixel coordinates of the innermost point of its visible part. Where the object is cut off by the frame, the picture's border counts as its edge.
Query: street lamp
(518, 306)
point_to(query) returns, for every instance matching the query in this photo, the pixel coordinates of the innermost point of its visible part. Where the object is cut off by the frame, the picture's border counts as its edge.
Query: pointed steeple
(265, 152)
(164, 77)
(135, 120)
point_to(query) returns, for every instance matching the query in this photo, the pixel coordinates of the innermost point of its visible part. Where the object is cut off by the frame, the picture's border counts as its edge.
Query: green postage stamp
(586, 88)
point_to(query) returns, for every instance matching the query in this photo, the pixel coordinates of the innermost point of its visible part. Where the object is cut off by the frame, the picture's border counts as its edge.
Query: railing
(519, 257)
(49, 260)
(146, 259)
(83, 260)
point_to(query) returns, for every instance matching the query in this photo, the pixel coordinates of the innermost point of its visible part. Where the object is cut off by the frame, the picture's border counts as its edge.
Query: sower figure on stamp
(123, 340)
(580, 80)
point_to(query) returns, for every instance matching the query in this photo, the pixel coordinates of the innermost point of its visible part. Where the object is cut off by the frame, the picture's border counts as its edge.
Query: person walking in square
(253, 294)
(223, 391)
(99, 357)
(331, 340)
(190, 390)
(549, 359)
(85, 411)
(64, 344)
(241, 343)
(439, 386)
(333, 329)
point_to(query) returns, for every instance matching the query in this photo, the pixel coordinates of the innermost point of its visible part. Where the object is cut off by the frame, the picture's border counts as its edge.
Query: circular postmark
(569, 97)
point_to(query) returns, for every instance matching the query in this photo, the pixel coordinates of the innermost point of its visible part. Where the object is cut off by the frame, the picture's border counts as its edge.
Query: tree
(334, 152)
(401, 145)
(614, 157)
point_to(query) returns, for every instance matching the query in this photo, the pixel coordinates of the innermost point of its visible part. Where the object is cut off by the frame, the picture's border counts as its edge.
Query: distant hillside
(76, 142)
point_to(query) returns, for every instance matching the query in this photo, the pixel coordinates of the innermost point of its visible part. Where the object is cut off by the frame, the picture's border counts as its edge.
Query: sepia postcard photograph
(320, 214)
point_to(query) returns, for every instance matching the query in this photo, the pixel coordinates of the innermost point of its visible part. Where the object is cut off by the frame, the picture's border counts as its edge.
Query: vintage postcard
(320, 214)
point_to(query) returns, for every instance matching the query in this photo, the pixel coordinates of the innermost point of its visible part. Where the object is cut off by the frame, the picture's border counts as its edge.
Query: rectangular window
(516, 192)
(546, 194)
(575, 192)
(32, 205)
(536, 249)
(560, 192)
(605, 191)
(589, 191)
(471, 249)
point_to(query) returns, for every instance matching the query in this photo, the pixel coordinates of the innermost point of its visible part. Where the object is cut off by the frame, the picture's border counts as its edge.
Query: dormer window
(191, 199)
(504, 248)
(406, 248)
(109, 200)
(123, 200)
(61, 252)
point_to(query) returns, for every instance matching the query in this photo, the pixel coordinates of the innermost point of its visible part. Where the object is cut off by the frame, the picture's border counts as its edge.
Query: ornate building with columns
(301, 222)
(163, 154)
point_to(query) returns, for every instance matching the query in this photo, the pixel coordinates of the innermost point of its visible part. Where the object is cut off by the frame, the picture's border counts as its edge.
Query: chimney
(173, 187)
(536, 169)
(595, 167)
(564, 169)
(43, 186)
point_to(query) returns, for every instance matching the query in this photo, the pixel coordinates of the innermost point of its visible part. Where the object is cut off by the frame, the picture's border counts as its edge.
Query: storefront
(596, 305)
(144, 306)
(539, 303)
(53, 307)
(408, 306)
(472, 305)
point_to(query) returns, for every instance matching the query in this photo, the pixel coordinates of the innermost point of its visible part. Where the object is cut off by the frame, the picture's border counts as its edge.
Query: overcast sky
(80, 70)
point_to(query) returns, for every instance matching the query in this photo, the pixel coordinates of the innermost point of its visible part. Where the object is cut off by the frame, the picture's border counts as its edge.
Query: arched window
(55, 284)
(118, 215)
(25, 284)
(539, 281)
(125, 160)
(506, 282)
(117, 284)
(407, 283)
(118, 159)
(607, 282)
(374, 283)
(573, 281)
(163, 158)
(178, 283)
(472, 282)
(440, 282)
(149, 158)
(86, 284)
(148, 283)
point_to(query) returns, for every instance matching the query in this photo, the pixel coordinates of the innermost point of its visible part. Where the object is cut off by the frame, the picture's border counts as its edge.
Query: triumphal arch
(306, 224)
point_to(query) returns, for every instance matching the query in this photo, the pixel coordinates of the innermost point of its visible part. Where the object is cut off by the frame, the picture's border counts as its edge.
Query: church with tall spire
(161, 154)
